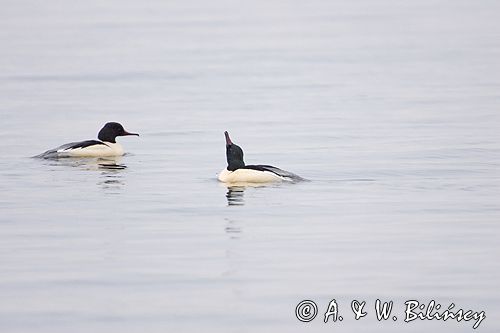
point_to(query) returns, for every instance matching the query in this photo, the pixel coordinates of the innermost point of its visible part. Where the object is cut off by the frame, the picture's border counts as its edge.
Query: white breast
(248, 176)
(109, 149)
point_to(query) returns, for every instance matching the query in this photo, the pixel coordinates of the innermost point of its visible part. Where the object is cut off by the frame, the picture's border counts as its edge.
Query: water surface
(389, 108)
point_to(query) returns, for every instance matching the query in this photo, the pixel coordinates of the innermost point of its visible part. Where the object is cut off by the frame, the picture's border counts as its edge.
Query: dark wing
(59, 151)
(282, 173)
(81, 144)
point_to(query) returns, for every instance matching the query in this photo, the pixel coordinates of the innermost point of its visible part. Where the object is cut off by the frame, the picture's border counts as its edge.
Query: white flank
(107, 150)
(248, 176)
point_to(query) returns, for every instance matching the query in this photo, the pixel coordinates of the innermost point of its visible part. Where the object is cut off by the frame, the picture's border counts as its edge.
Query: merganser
(238, 172)
(106, 146)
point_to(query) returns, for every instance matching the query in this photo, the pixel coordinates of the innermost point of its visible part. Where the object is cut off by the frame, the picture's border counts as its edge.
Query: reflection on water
(111, 177)
(235, 195)
(87, 163)
(112, 166)
(233, 229)
(236, 191)
(111, 181)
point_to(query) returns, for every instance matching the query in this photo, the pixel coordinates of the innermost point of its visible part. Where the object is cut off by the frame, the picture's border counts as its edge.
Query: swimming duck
(106, 146)
(238, 172)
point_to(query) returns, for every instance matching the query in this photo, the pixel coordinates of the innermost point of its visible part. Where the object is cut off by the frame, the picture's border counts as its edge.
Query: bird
(106, 146)
(238, 172)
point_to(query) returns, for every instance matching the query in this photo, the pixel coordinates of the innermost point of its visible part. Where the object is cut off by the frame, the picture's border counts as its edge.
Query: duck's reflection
(107, 165)
(235, 195)
(111, 177)
(87, 163)
(112, 180)
(233, 229)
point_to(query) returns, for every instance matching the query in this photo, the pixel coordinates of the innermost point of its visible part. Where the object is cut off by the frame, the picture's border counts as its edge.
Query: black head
(234, 155)
(111, 130)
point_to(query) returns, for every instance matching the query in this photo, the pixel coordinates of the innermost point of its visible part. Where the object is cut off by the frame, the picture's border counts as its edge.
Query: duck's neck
(116, 147)
(235, 165)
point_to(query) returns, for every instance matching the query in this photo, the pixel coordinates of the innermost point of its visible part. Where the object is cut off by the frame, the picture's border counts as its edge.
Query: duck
(105, 146)
(238, 172)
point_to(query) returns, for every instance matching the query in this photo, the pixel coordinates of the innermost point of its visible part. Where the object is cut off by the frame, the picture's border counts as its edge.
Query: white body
(107, 150)
(248, 176)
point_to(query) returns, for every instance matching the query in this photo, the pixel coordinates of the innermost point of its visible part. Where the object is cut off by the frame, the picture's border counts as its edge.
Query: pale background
(390, 108)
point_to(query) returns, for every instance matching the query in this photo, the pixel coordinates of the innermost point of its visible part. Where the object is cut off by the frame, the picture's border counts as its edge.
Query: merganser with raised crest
(238, 172)
(106, 146)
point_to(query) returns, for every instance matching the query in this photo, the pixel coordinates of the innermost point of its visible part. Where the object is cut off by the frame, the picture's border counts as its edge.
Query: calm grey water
(390, 108)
